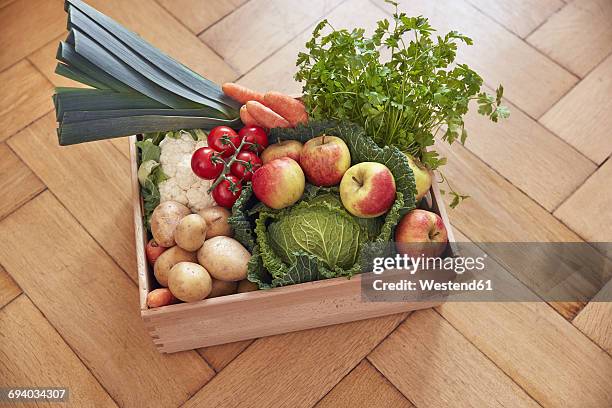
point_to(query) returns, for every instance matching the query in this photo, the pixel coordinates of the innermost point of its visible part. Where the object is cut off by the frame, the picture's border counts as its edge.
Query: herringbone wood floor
(68, 296)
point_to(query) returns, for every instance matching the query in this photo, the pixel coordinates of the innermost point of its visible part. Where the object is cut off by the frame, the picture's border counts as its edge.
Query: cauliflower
(182, 184)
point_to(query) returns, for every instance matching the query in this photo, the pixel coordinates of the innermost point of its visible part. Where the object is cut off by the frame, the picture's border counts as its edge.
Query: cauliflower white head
(182, 184)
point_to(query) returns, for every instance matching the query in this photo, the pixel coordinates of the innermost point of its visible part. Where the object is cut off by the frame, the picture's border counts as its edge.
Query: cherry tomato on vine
(218, 139)
(227, 192)
(256, 135)
(242, 170)
(207, 163)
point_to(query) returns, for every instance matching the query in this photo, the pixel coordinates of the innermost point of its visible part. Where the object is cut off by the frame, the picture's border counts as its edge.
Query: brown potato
(222, 288)
(224, 258)
(246, 285)
(168, 259)
(216, 219)
(164, 220)
(189, 281)
(190, 232)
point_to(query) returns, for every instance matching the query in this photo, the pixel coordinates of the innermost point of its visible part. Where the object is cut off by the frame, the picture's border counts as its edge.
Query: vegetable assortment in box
(260, 208)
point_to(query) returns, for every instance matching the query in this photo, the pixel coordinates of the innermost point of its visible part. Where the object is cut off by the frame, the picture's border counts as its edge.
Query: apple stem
(323, 139)
(357, 181)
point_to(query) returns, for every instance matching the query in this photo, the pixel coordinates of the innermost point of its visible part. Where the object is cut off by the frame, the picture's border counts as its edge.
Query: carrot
(246, 117)
(241, 93)
(265, 116)
(160, 297)
(289, 108)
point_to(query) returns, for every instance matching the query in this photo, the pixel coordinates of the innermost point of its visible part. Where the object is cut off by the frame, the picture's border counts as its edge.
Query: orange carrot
(241, 93)
(289, 108)
(246, 117)
(265, 116)
(160, 297)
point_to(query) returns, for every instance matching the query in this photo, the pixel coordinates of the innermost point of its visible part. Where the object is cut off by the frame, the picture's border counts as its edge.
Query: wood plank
(582, 118)
(434, 366)
(278, 371)
(595, 320)
(198, 15)
(26, 25)
(24, 97)
(499, 56)
(160, 28)
(528, 155)
(8, 288)
(364, 387)
(33, 354)
(276, 72)
(94, 307)
(578, 37)
(548, 357)
(519, 16)
(587, 211)
(17, 182)
(220, 356)
(265, 26)
(90, 179)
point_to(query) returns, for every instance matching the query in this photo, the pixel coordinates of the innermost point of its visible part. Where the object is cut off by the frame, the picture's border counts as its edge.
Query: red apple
(279, 183)
(325, 159)
(420, 233)
(367, 189)
(285, 148)
(153, 251)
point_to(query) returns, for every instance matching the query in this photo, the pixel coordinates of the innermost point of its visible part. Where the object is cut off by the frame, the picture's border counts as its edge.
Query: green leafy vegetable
(404, 101)
(150, 173)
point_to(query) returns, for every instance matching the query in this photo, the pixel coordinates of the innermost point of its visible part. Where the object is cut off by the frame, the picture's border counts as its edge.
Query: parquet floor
(68, 295)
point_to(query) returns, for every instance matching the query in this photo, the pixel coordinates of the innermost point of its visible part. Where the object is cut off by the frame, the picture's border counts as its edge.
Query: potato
(168, 259)
(216, 219)
(160, 297)
(247, 286)
(189, 281)
(190, 232)
(224, 258)
(164, 220)
(222, 288)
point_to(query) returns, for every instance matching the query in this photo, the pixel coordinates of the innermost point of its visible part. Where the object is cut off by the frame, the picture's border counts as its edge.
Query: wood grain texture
(595, 320)
(519, 16)
(299, 369)
(25, 96)
(17, 182)
(92, 180)
(264, 26)
(499, 56)
(551, 360)
(198, 15)
(94, 307)
(582, 118)
(364, 387)
(278, 70)
(46, 17)
(527, 154)
(434, 366)
(587, 211)
(220, 356)
(156, 25)
(32, 354)
(578, 37)
(8, 288)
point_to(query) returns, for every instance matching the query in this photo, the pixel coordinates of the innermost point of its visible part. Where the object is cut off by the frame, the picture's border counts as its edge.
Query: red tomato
(217, 139)
(207, 163)
(256, 135)
(240, 170)
(227, 192)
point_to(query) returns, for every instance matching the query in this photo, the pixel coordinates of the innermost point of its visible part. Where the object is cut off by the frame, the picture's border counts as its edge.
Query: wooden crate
(262, 313)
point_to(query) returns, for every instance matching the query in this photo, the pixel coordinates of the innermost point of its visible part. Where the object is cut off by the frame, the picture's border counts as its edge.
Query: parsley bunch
(404, 99)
